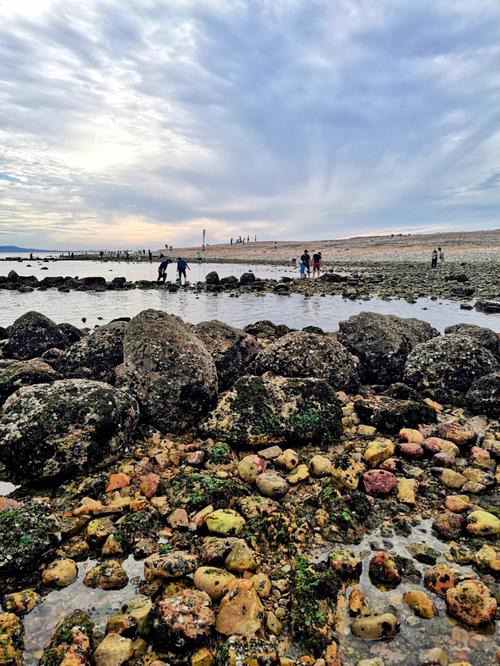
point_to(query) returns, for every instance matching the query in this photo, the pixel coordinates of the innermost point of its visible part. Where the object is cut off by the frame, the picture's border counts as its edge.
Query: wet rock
(225, 522)
(213, 581)
(168, 369)
(250, 467)
(433, 657)
(378, 482)
(448, 525)
(482, 523)
(485, 336)
(382, 343)
(259, 411)
(345, 563)
(320, 466)
(212, 278)
(50, 430)
(383, 569)
(214, 549)
(420, 603)
(407, 491)
(97, 355)
(176, 564)
(178, 519)
(14, 374)
(411, 450)
(71, 642)
(377, 451)
(21, 602)
(272, 484)
(423, 553)
(300, 473)
(483, 397)
(347, 470)
(302, 354)
(247, 278)
(448, 366)
(390, 415)
(266, 330)
(184, 619)
(113, 650)
(450, 478)
(11, 631)
(241, 611)
(471, 602)
(60, 573)
(71, 332)
(375, 627)
(460, 435)
(439, 445)
(108, 575)
(457, 503)
(240, 558)
(27, 533)
(32, 334)
(289, 459)
(231, 349)
(439, 579)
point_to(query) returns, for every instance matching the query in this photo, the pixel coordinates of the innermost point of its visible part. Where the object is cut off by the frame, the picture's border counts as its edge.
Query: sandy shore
(466, 246)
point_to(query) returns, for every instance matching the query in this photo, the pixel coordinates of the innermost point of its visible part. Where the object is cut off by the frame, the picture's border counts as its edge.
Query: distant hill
(15, 248)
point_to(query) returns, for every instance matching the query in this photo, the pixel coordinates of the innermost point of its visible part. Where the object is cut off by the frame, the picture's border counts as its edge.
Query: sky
(140, 123)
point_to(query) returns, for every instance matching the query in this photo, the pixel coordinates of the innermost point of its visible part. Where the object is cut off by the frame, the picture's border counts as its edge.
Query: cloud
(289, 118)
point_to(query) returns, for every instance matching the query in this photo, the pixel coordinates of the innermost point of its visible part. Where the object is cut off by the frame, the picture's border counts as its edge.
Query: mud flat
(205, 495)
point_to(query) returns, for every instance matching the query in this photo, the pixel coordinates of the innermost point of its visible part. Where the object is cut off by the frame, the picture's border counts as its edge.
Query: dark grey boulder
(483, 397)
(71, 332)
(53, 430)
(389, 414)
(231, 349)
(447, 366)
(247, 278)
(262, 411)
(266, 330)
(485, 336)
(382, 343)
(301, 354)
(14, 374)
(169, 370)
(97, 355)
(212, 278)
(32, 334)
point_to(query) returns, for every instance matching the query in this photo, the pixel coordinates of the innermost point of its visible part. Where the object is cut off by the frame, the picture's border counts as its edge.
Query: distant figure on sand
(181, 269)
(441, 255)
(316, 263)
(199, 257)
(434, 258)
(162, 271)
(306, 260)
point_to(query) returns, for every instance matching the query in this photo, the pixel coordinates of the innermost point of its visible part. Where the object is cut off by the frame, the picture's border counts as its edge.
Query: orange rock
(117, 481)
(148, 484)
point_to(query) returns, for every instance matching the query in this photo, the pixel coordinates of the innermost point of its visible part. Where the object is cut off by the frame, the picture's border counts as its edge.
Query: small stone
(376, 661)
(345, 563)
(271, 452)
(411, 450)
(486, 558)
(60, 573)
(187, 616)
(471, 602)
(375, 627)
(320, 466)
(241, 611)
(226, 522)
(433, 657)
(420, 603)
(240, 558)
(439, 579)
(288, 459)
(250, 467)
(202, 657)
(300, 473)
(112, 546)
(378, 482)
(448, 525)
(452, 479)
(273, 624)
(457, 503)
(178, 519)
(148, 484)
(482, 523)
(460, 435)
(213, 581)
(108, 575)
(176, 564)
(407, 491)
(99, 529)
(383, 569)
(117, 481)
(21, 602)
(113, 650)
(262, 584)
(349, 472)
(271, 484)
(411, 435)
(366, 430)
(423, 553)
(139, 608)
(377, 451)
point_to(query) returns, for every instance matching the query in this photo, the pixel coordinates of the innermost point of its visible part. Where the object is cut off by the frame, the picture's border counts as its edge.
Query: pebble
(176, 564)
(300, 473)
(420, 603)
(407, 491)
(320, 466)
(60, 573)
(452, 479)
(471, 602)
(226, 522)
(434, 657)
(379, 482)
(241, 611)
(250, 467)
(240, 558)
(272, 485)
(288, 459)
(108, 575)
(411, 435)
(377, 451)
(375, 627)
(482, 523)
(113, 650)
(213, 581)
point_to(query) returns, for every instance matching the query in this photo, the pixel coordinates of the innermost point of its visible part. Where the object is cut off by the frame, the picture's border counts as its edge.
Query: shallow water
(477, 646)
(100, 604)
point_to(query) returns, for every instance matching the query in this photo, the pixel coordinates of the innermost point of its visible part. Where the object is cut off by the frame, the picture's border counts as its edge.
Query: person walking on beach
(434, 258)
(150, 255)
(441, 255)
(316, 263)
(306, 260)
(162, 271)
(181, 269)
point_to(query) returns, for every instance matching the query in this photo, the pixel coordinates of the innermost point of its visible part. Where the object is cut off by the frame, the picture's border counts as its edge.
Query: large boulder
(32, 334)
(51, 430)
(447, 366)
(483, 397)
(302, 354)
(382, 343)
(14, 374)
(96, 356)
(169, 370)
(266, 330)
(261, 411)
(231, 349)
(484, 336)
(390, 414)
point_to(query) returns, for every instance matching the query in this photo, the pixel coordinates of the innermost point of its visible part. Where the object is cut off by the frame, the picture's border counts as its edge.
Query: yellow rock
(378, 451)
(300, 473)
(225, 522)
(487, 558)
(202, 657)
(411, 435)
(240, 558)
(348, 475)
(60, 573)
(241, 611)
(213, 581)
(21, 602)
(366, 430)
(273, 624)
(420, 603)
(113, 650)
(407, 491)
(320, 466)
(482, 523)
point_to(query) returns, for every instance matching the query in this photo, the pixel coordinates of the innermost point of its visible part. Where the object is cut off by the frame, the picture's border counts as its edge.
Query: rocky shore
(475, 284)
(250, 497)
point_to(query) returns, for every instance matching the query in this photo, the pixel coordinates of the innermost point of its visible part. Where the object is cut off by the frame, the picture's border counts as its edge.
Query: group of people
(182, 266)
(242, 240)
(437, 253)
(305, 263)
